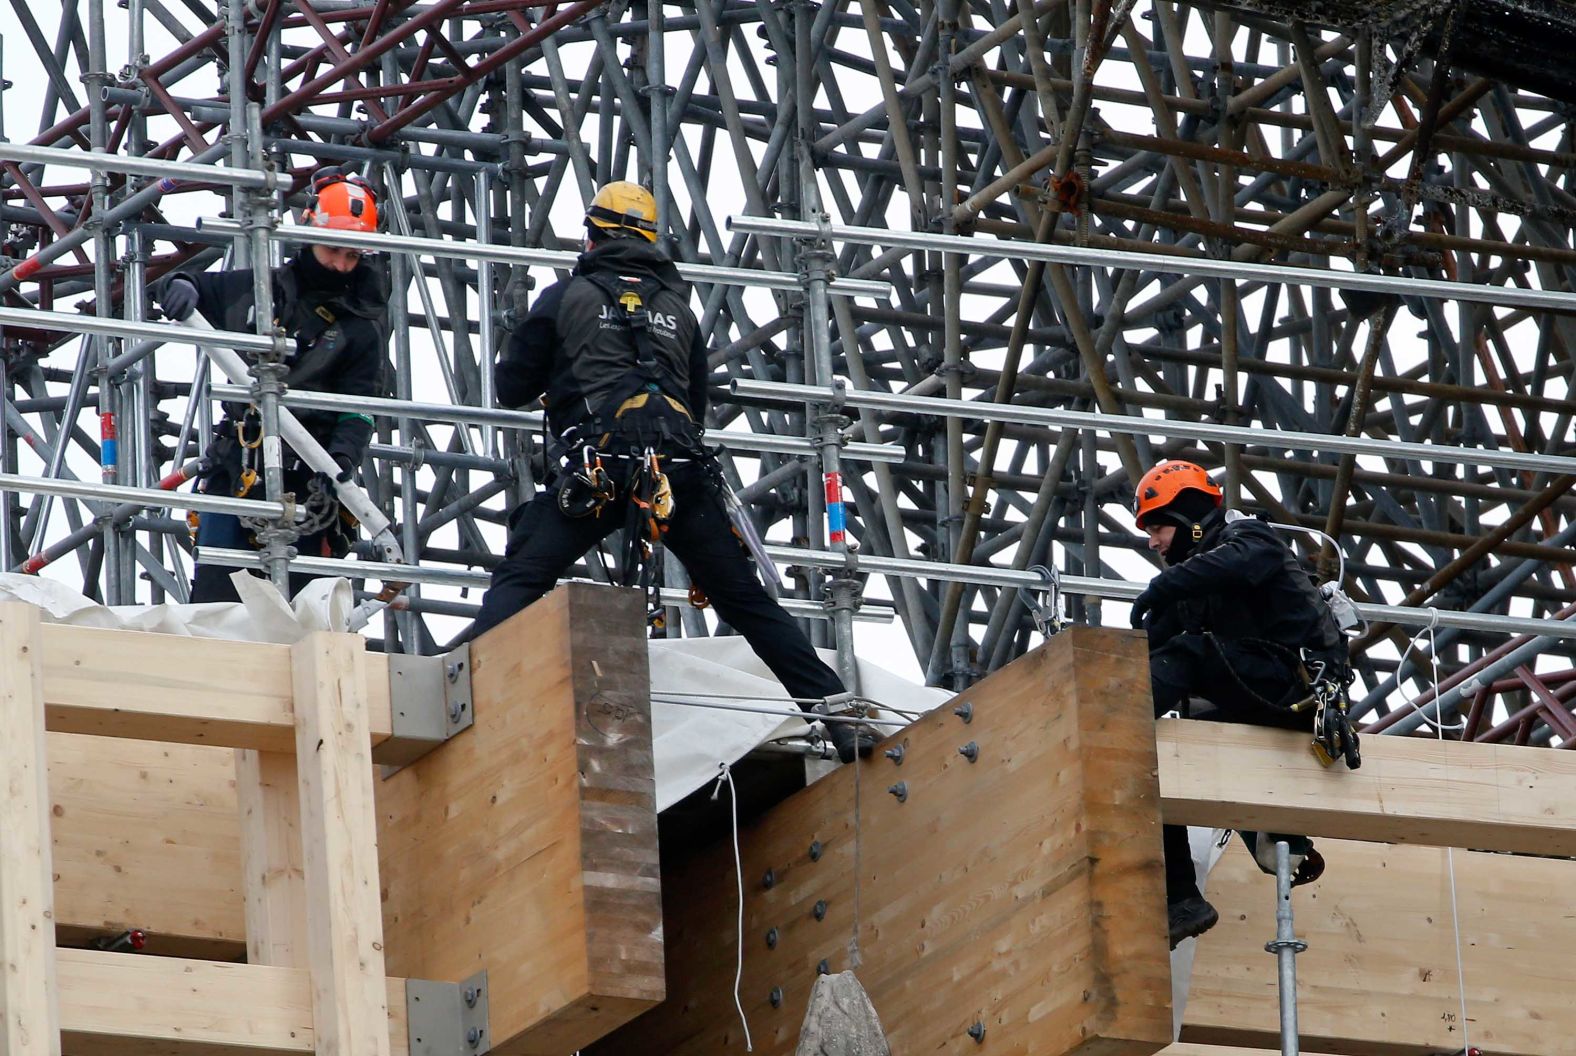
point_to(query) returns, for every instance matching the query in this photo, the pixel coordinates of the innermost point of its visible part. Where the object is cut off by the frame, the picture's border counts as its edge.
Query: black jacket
(568, 351)
(1242, 583)
(342, 351)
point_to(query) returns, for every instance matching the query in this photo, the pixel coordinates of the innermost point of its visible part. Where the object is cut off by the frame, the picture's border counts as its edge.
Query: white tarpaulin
(261, 615)
(689, 742)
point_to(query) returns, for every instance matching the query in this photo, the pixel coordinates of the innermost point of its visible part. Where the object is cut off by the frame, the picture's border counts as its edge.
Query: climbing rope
(738, 865)
(1450, 854)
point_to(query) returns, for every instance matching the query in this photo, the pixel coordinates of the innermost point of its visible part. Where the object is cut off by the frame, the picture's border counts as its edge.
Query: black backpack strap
(632, 293)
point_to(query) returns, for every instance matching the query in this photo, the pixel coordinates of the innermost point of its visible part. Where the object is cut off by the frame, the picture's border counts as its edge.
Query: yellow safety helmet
(624, 206)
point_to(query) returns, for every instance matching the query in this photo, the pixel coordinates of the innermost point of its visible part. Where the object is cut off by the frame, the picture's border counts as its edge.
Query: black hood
(631, 255)
(363, 292)
(1183, 545)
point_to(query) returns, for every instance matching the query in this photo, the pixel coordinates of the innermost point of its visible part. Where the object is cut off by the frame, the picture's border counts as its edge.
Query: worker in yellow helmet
(1233, 621)
(333, 307)
(619, 360)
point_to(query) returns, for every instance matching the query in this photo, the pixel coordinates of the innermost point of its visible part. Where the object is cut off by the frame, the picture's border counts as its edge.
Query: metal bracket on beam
(447, 1019)
(430, 697)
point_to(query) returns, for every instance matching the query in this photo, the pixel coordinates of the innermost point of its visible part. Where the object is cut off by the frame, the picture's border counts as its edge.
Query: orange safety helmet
(343, 201)
(1160, 487)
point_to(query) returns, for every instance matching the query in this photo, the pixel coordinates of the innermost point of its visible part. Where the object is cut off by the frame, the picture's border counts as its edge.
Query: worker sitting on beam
(1234, 619)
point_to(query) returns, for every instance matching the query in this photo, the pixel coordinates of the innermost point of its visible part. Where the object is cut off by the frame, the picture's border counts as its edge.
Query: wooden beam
(339, 843)
(29, 1008)
(160, 687)
(1409, 790)
(1022, 892)
(527, 845)
(116, 1004)
(1379, 976)
(273, 873)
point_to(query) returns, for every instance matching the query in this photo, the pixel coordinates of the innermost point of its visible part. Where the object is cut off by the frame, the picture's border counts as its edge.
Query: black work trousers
(544, 542)
(1235, 678)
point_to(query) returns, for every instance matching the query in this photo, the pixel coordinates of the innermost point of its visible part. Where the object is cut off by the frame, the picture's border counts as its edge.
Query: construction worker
(331, 304)
(1234, 619)
(620, 362)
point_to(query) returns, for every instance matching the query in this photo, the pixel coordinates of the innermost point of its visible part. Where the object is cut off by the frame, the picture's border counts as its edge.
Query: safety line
(738, 865)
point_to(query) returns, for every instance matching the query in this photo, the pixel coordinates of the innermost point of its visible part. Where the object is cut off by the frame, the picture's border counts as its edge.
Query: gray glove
(179, 298)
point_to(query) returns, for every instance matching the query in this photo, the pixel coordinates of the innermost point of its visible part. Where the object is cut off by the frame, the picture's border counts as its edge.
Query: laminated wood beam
(333, 760)
(527, 845)
(116, 1004)
(29, 1010)
(273, 873)
(1379, 975)
(1021, 892)
(171, 688)
(1409, 790)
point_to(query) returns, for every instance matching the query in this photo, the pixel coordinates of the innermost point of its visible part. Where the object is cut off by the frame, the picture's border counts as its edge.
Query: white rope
(1450, 854)
(738, 865)
(1433, 663)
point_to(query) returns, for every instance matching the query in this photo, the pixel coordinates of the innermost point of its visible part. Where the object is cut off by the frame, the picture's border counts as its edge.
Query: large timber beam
(1379, 976)
(1018, 891)
(114, 1004)
(527, 845)
(175, 689)
(1491, 797)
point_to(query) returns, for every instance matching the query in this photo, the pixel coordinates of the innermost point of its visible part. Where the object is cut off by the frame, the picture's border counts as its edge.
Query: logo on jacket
(664, 323)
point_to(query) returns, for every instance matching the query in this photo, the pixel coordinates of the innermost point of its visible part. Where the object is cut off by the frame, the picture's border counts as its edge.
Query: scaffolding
(965, 270)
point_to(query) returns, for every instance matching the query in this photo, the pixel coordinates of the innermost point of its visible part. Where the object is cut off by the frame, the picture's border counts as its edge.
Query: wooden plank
(527, 845)
(1023, 891)
(29, 1008)
(339, 844)
(273, 874)
(115, 1004)
(161, 687)
(1409, 790)
(146, 836)
(1379, 976)
(1184, 1048)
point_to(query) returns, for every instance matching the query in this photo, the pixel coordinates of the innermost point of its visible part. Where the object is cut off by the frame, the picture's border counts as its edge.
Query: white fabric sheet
(689, 742)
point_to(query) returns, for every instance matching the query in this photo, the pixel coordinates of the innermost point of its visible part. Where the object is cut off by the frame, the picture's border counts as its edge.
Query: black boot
(1190, 918)
(1307, 864)
(850, 740)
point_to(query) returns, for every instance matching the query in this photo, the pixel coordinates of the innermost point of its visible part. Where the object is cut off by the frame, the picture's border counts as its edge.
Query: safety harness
(638, 425)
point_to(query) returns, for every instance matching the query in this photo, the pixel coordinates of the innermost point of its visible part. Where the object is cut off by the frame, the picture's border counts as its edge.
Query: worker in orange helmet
(332, 304)
(1230, 620)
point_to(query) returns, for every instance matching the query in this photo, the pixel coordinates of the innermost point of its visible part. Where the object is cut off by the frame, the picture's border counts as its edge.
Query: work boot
(1190, 918)
(850, 740)
(1307, 864)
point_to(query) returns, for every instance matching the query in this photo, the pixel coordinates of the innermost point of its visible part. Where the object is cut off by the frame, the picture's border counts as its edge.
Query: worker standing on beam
(333, 307)
(620, 362)
(1234, 619)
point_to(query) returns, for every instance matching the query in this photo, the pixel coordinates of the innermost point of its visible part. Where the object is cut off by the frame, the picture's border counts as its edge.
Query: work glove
(1143, 605)
(326, 482)
(179, 298)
